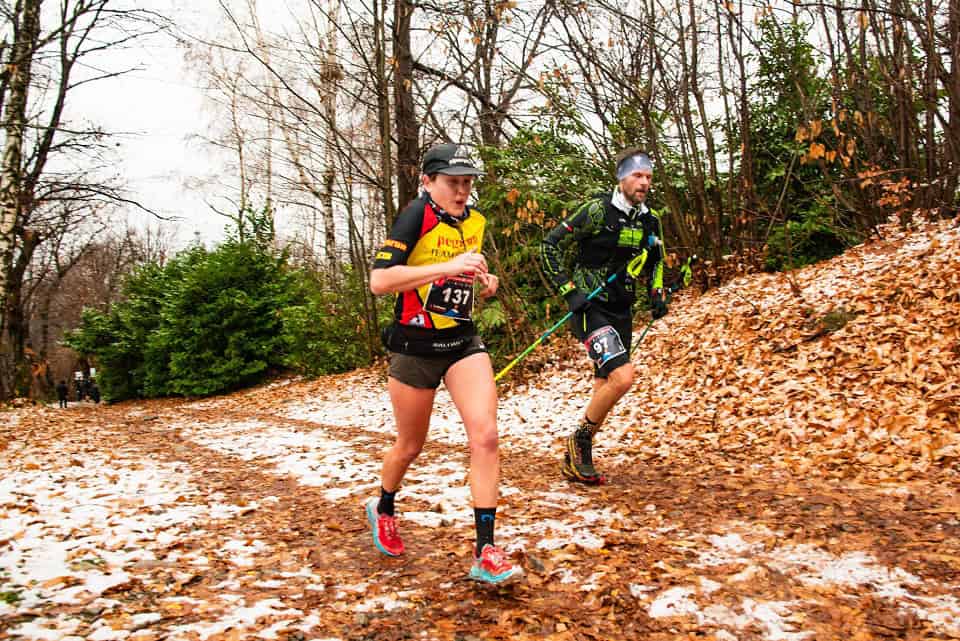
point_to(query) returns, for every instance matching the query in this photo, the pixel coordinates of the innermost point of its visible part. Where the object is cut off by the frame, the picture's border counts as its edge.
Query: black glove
(577, 301)
(658, 304)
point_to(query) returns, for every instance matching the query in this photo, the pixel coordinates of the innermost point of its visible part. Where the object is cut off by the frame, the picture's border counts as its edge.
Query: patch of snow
(590, 584)
(811, 565)
(818, 567)
(71, 532)
(709, 587)
(770, 615)
(45, 628)
(103, 632)
(273, 583)
(144, 618)
(242, 552)
(675, 602)
(314, 457)
(733, 543)
(241, 618)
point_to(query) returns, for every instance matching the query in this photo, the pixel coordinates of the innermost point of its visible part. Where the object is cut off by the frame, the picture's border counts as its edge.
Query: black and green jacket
(604, 234)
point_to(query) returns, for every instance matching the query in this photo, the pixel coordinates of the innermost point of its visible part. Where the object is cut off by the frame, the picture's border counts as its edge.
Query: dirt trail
(785, 469)
(684, 550)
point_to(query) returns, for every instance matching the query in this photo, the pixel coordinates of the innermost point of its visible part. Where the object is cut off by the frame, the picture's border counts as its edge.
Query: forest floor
(787, 467)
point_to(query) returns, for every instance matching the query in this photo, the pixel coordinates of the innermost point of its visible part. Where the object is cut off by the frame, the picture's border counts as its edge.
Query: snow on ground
(535, 416)
(83, 524)
(856, 573)
(542, 416)
(315, 458)
(77, 529)
(345, 468)
(72, 527)
(245, 617)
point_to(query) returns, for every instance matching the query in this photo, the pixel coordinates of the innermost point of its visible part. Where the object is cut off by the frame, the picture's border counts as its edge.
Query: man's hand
(658, 303)
(577, 301)
(490, 284)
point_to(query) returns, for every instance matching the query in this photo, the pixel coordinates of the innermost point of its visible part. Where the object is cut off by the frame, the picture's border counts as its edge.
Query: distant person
(79, 390)
(608, 232)
(431, 260)
(62, 391)
(94, 392)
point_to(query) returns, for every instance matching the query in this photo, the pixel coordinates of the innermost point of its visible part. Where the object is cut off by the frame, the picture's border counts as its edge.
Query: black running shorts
(606, 335)
(426, 372)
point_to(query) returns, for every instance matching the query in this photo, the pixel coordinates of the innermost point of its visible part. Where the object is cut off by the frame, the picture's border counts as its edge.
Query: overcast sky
(160, 109)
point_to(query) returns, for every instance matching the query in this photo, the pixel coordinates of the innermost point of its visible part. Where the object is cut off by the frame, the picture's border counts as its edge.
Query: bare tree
(16, 89)
(82, 267)
(41, 71)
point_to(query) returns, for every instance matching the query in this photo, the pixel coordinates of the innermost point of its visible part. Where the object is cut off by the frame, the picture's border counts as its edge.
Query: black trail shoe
(578, 459)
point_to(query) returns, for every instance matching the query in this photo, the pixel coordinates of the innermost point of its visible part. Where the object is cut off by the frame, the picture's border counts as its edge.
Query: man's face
(635, 185)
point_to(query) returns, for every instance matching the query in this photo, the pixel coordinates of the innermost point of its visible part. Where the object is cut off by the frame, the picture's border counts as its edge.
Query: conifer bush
(209, 322)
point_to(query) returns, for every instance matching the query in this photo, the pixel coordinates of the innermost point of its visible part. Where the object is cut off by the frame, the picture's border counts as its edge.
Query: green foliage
(10, 597)
(209, 322)
(254, 226)
(813, 238)
(323, 332)
(122, 339)
(491, 318)
(787, 92)
(541, 174)
(220, 322)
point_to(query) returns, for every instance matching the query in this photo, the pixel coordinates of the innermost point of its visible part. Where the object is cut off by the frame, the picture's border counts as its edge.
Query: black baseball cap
(449, 159)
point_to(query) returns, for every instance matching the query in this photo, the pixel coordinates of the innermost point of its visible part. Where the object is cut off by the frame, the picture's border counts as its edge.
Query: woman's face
(450, 192)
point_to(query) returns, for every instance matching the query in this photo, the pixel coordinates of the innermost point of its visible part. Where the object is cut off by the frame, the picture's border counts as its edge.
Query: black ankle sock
(385, 506)
(484, 518)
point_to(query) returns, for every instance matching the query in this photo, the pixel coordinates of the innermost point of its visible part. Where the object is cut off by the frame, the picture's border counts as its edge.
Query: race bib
(451, 296)
(604, 344)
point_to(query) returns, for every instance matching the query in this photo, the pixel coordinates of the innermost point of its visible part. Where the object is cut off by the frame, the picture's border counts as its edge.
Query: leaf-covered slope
(850, 366)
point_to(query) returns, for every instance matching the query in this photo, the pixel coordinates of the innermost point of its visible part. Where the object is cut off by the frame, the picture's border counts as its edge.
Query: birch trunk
(20, 66)
(12, 196)
(332, 77)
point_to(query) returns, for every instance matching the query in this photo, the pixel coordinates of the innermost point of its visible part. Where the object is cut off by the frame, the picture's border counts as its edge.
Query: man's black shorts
(606, 335)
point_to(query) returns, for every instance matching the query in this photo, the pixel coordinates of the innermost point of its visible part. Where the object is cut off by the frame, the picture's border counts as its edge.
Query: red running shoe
(494, 567)
(384, 528)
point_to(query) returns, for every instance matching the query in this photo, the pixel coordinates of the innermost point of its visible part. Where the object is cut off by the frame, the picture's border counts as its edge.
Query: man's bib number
(451, 296)
(604, 344)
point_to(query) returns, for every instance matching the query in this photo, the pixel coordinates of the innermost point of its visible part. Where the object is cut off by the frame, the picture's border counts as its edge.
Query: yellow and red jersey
(423, 234)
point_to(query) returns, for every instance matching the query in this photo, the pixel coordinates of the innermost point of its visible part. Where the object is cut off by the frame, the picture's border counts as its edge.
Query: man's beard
(636, 200)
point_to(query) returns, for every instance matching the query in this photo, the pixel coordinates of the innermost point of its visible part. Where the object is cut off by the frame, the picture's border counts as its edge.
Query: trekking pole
(670, 291)
(686, 275)
(632, 268)
(547, 333)
(640, 340)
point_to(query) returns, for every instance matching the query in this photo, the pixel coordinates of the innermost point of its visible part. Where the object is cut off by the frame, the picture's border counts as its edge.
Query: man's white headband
(636, 162)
